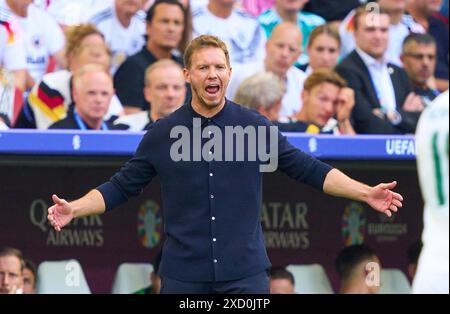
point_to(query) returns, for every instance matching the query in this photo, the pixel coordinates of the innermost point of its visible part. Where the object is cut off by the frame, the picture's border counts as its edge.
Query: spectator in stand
(165, 25)
(353, 265)
(11, 271)
(92, 93)
(165, 89)
(262, 92)
(332, 10)
(423, 13)
(401, 25)
(282, 50)
(327, 106)
(13, 53)
(245, 41)
(43, 37)
(291, 11)
(419, 61)
(51, 99)
(323, 49)
(256, 7)
(385, 103)
(29, 277)
(123, 25)
(281, 281)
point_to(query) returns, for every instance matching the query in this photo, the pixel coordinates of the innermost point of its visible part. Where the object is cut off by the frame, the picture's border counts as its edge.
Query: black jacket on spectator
(129, 80)
(331, 10)
(69, 123)
(357, 75)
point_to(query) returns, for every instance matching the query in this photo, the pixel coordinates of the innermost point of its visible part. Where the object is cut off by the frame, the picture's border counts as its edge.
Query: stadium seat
(131, 277)
(310, 279)
(394, 281)
(61, 277)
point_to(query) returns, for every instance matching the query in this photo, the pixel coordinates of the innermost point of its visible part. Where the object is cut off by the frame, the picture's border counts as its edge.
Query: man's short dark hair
(421, 39)
(281, 273)
(151, 10)
(350, 257)
(9, 251)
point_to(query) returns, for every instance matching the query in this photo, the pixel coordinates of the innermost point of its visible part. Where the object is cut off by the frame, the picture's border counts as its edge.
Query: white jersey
(291, 102)
(12, 48)
(42, 36)
(241, 33)
(73, 12)
(432, 145)
(122, 41)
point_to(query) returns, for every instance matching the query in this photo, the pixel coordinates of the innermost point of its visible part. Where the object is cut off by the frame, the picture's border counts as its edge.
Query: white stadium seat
(131, 277)
(394, 281)
(61, 277)
(310, 279)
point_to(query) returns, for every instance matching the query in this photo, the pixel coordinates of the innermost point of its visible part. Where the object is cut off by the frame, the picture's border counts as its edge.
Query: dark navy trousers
(255, 284)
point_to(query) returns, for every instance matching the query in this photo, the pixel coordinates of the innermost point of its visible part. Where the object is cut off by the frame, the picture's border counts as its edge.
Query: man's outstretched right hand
(59, 214)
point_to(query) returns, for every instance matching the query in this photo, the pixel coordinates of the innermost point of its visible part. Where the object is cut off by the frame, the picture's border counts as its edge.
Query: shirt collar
(219, 118)
(370, 61)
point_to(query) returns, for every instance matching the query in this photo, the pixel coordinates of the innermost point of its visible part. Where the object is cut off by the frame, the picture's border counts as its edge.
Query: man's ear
(187, 76)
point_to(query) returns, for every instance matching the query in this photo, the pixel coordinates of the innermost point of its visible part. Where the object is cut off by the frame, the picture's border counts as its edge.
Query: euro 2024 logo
(149, 224)
(353, 224)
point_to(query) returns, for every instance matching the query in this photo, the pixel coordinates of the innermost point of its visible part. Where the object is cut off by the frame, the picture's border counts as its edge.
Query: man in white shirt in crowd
(123, 25)
(282, 51)
(241, 32)
(43, 37)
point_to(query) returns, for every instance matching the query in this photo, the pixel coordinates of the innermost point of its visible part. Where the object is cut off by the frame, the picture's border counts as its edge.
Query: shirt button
(213, 218)
(214, 240)
(210, 152)
(212, 196)
(215, 261)
(211, 174)
(209, 132)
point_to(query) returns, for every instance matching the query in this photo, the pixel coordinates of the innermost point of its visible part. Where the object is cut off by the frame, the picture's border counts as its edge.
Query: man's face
(96, 54)
(282, 50)
(10, 275)
(291, 5)
(166, 90)
(166, 27)
(320, 103)
(393, 5)
(93, 95)
(209, 76)
(323, 52)
(129, 7)
(281, 286)
(29, 282)
(419, 61)
(372, 34)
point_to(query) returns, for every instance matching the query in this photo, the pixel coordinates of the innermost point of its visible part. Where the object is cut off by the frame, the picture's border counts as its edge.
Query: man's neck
(124, 19)
(282, 76)
(94, 124)
(354, 287)
(18, 10)
(204, 110)
(288, 16)
(153, 115)
(396, 17)
(301, 115)
(420, 16)
(158, 51)
(419, 85)
(220, 10)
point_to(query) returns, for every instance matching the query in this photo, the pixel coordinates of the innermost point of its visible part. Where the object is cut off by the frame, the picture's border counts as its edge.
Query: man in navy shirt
(212, 208)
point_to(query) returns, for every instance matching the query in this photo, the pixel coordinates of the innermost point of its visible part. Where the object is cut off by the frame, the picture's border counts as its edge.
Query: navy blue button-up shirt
(211, 209)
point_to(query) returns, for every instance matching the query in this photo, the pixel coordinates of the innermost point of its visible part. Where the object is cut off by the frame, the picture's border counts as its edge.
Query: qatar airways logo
(252, 143)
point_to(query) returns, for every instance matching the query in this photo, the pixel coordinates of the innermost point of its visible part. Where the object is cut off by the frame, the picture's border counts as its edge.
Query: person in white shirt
(282, 50)
(69, 13)
(123, 25)
(401, 26)
(432, 165)
(12, 54)
(242, 33)
(42, 35)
